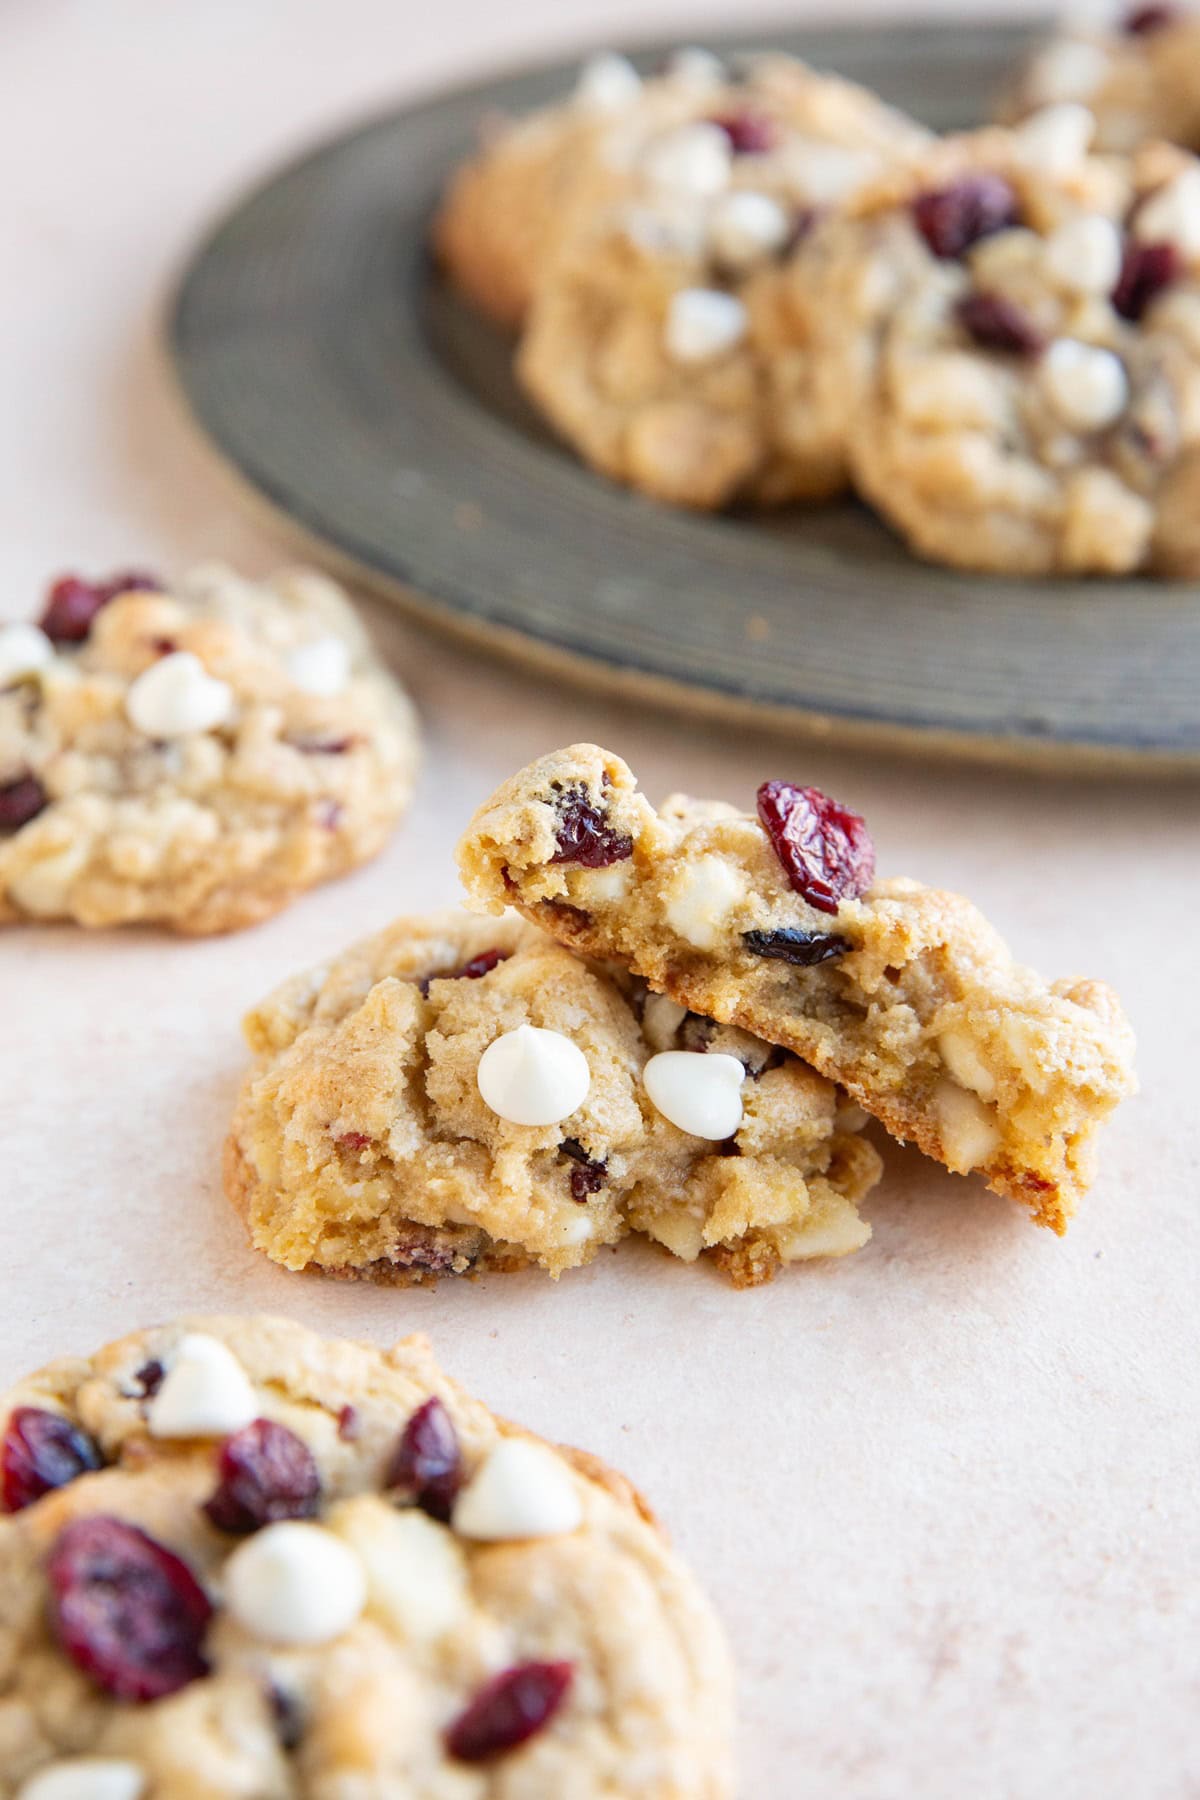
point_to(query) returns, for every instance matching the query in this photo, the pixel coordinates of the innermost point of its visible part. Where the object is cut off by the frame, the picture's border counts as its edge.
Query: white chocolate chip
(205, 1392)
(23, 651)
(592, 885)
(744, 227)
(698, 1092)
(177, 696)
(85, 1778)
(577, 1229)
(533, 1077)
(607, 83)
(965, 1064)
(661, 1019)
(695, 67)
(1083, 256)
(701, 898)
(1087, 386)
(702, 324)
(1069, 70)
(42, 887)
(821, 174)
(1056, 139)
(521, 1490)
(697, 158)
(295, 1583)
(968, 1128)
(321, 668)
(681, 1232)
(416, 1576)
(1172, 215)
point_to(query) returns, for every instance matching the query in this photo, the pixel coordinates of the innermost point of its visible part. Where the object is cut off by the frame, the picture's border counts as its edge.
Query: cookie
(243, 1562)
(903, 995)
(458, 1094)
(661, 342)
(1015, 335)
(1136, 67)
(192, 755)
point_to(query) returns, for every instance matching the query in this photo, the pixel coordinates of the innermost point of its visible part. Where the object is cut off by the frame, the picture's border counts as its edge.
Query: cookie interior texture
(361, 1145)
(605, 1602)
(918, 1011)
(214, 827)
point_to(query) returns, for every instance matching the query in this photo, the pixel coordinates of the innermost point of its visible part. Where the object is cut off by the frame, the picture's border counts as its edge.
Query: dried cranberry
(825, 849)
(20, 801)
(328, 746)
(1142, 21)
(584, 835)
(510, 1708)
(790, 944)
(352, 1140)
(749, 133)
(150, 1378)
(266, 1473)
(997, 323)
(427, 1463)
(480, 965)
(1146, 269)
(951, 219)
(349, 1424)
(587, 1177)
(73, 603)
(41, 1450)
(127, 1611)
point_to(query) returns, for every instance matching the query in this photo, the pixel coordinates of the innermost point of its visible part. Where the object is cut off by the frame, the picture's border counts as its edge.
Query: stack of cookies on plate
(754, 284)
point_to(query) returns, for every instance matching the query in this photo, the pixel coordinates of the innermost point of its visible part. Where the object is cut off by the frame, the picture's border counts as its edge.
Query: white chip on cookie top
(176, 696)
(321, 668)
(85, 1778)
(696, 158)
(205, 1392)
(697, 1092)
(744, 227)
(533, 1077)
(520, 1490)
(1086, 385)
(1172, 215)
(607, 83)
(295, 1583)
(1083, 255)
(24, 650)
(702, 324)
(1056, 139)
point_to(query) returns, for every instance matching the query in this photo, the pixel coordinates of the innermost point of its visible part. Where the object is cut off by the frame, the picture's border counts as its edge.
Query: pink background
(944, 1492)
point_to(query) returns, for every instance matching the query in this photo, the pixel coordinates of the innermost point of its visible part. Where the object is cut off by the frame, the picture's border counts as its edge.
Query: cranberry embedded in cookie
(41, 1451)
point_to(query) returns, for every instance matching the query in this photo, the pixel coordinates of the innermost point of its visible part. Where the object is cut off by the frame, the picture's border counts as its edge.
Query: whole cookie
(195, 754)
(904, 995)
(661, 341)
(1014, 332)
(243, 1562)
(1136, 66)
(459, 1094)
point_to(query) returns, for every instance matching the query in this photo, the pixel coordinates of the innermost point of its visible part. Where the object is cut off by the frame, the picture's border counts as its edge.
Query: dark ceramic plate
(345, 385)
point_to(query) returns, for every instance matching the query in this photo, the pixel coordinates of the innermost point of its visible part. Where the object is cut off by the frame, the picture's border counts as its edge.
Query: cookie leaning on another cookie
(193, 755)
(458, 1094)
(243, 1560)
(903, 995)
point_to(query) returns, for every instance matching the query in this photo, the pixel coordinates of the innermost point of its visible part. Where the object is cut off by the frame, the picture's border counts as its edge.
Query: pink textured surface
(943, 1492)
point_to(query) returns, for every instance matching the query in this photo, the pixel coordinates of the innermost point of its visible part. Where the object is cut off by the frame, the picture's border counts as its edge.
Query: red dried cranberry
(150, 1378)
(510, 1708)
(997, 323)
(584, 835)
(41, 1450)
(352, 1140)
(480, 965)
(20, 801)
(349, 1424)
(1146, 269)
(127, 1611)
(825, 849)
(73, 603)
(427, 1463)
(749, 133)
(267, 1473)
(1142, 21)
(790, 944)
(951, 219)
(587, 1177)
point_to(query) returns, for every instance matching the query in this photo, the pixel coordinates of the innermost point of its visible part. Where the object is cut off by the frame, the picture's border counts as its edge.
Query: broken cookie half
(903, 995)
(460, 1094)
